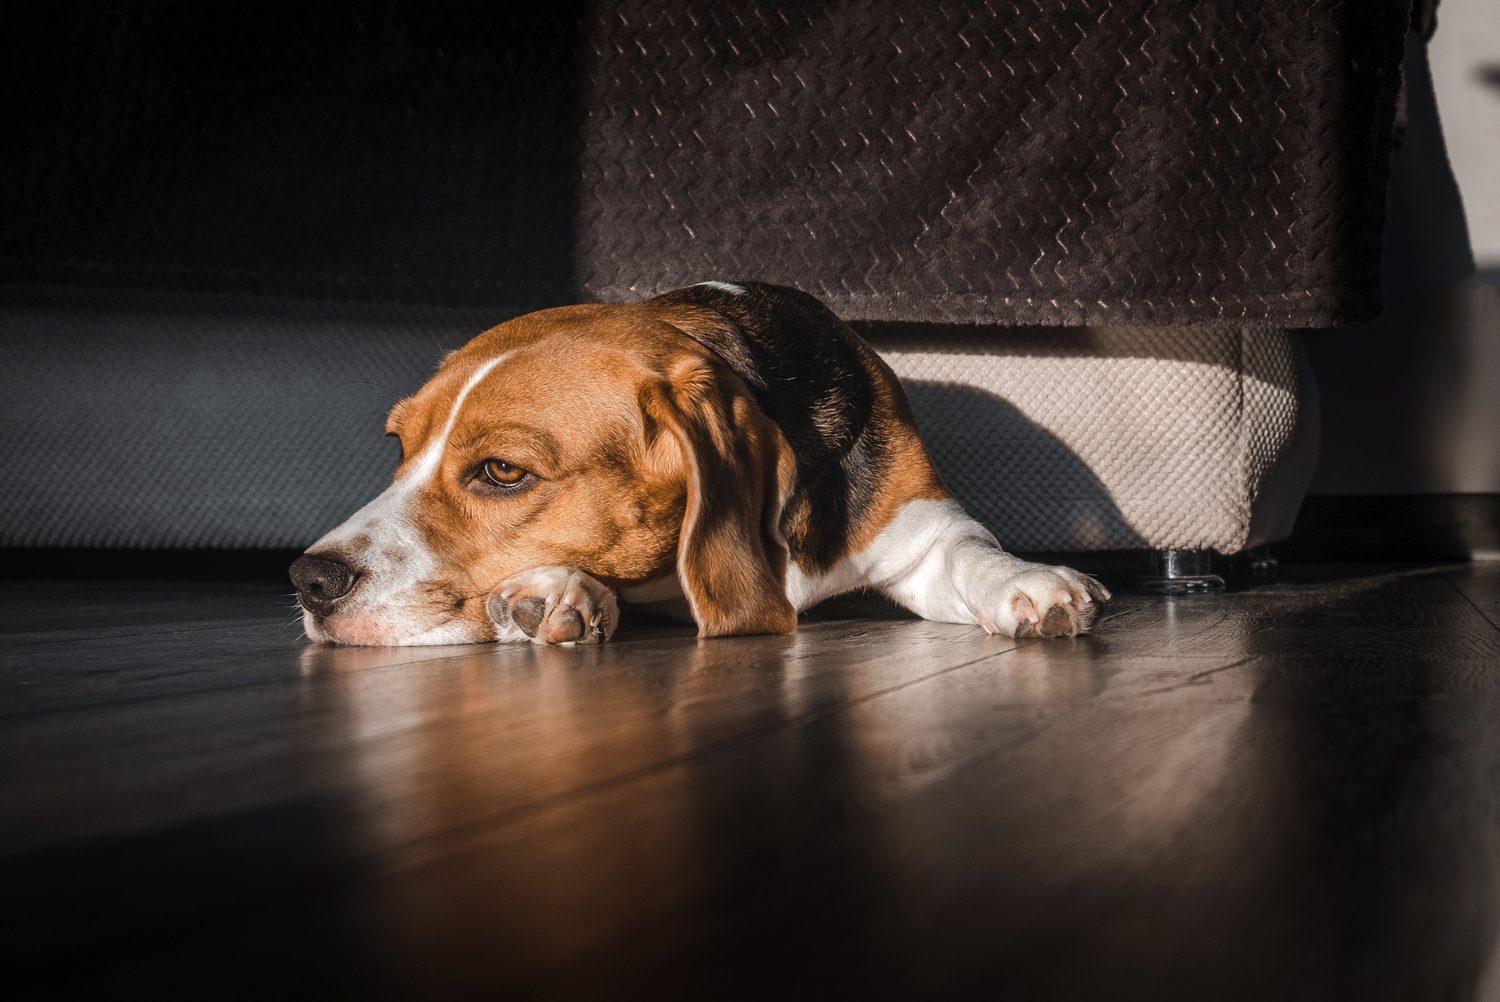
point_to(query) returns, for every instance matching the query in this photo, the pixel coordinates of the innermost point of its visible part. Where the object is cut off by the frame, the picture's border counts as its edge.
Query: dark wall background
(337, 148)
(1412, 401)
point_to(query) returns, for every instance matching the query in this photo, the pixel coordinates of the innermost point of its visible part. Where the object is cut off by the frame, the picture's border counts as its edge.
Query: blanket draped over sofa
(1013, 161)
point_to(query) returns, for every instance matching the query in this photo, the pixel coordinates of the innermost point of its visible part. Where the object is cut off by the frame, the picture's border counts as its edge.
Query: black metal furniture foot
(1180, 572)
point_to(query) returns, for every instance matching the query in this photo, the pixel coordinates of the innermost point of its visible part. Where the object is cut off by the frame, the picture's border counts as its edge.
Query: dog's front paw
(1042, 602)
(554, 605)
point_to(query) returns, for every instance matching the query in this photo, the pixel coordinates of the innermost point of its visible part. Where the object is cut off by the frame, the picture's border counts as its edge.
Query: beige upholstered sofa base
(1115, 438)
(256, 422)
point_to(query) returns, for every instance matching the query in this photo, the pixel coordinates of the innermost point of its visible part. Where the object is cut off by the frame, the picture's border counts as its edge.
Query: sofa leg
(1259, 564)
(1180, 572)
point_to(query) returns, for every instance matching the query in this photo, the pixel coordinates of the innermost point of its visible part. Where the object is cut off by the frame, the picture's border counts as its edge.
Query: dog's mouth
(344, 629)
(397, 627)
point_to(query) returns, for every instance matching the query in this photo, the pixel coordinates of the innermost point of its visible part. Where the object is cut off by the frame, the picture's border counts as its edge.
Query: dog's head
(598, 437)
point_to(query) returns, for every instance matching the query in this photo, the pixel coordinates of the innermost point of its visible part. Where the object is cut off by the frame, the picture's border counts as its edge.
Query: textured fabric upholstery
(152, 420)
(1122, 438)
(160, 420)
(1015, 161)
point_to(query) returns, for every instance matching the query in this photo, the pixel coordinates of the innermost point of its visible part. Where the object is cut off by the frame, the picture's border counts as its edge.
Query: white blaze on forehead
(737, 290)
(429, 459)
(384, 518)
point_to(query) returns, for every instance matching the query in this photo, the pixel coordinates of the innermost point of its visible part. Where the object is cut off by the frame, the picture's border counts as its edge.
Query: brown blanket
(1015, 161)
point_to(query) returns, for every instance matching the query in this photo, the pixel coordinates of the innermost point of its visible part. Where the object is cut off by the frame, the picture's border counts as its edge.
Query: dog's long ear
(738, 470)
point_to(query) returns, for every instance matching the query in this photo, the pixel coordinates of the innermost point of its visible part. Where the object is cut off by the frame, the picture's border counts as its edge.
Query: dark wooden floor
(1288, 792)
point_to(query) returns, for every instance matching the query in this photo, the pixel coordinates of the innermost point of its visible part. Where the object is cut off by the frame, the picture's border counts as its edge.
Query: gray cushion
(165, 420)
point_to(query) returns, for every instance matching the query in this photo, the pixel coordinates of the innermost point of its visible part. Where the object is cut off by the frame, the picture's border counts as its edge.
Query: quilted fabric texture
(191, 421)
(1114, 439)
(158, 420)
(1015, 161)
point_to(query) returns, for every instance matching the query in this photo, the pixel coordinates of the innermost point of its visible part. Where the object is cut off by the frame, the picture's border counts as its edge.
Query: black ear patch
(808, 370)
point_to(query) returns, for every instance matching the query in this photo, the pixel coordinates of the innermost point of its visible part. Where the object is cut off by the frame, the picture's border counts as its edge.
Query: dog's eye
(499, 473)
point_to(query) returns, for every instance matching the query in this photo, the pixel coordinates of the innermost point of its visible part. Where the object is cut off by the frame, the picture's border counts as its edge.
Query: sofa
(1085, 235)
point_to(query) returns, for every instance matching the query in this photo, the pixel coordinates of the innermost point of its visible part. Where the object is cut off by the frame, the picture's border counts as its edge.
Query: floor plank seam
(1471, 603)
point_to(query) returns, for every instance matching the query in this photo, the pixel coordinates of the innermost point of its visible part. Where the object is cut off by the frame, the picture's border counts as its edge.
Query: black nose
(321, 582)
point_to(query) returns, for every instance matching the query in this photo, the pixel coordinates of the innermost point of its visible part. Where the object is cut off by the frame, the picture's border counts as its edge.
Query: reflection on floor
(1291, 791)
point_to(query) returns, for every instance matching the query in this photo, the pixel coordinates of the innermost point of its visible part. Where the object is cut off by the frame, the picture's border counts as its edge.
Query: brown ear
(731, 557)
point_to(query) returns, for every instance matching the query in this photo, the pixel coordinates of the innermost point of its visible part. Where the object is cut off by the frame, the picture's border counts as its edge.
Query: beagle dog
(730, 453)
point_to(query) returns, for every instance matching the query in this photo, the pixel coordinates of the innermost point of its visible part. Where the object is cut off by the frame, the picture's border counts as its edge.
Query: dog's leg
(553, 605)
(941, 564)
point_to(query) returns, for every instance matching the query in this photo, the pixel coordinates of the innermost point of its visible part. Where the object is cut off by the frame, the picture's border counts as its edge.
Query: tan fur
(912, 476)
(635, 432)
(654, 464)
(731, 554)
